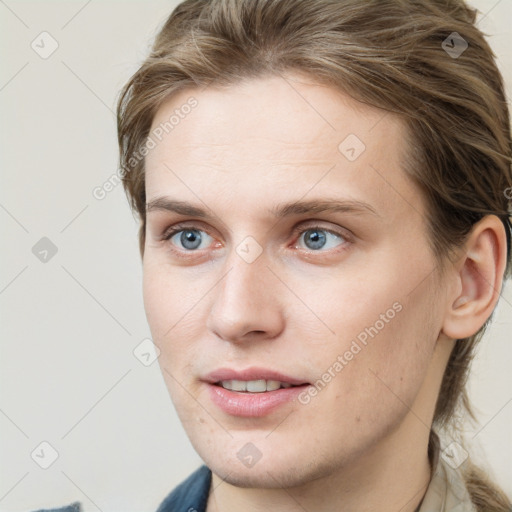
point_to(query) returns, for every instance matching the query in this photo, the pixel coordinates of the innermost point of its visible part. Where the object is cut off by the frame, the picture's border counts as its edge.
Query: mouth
(253, 392)
(252, 380)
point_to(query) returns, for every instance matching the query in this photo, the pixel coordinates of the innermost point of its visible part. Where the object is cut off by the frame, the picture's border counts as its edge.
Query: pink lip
(251, 405)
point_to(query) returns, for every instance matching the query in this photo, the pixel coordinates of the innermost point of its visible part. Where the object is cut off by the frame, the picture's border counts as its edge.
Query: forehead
(279, 134)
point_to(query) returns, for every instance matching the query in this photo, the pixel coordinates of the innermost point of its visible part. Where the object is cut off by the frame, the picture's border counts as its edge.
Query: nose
(246, 304)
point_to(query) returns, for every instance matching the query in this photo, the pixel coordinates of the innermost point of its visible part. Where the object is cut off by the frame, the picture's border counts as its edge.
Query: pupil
(315, 238)
(191, 239)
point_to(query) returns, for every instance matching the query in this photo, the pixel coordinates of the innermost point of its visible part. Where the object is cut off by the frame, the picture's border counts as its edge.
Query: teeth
(254, 386)
(272, 385)
(237, 385)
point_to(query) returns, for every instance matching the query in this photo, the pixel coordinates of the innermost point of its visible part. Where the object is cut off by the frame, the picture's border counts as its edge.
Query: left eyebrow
(279, 211)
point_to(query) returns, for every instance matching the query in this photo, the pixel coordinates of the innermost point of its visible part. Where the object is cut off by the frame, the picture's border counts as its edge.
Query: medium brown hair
(386, 53)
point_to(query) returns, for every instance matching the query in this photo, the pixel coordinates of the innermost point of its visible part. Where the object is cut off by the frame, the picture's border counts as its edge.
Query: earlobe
(479, 279)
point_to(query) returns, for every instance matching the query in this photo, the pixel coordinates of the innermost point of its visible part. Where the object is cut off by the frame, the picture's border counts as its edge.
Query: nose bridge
(244, 301)
(247, 262)
(243, 285)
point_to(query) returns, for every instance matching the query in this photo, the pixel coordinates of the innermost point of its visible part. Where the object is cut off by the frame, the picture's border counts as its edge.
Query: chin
(275, 469)
(268, 476)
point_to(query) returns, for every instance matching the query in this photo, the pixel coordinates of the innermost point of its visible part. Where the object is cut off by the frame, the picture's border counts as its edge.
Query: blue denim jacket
(190, 496)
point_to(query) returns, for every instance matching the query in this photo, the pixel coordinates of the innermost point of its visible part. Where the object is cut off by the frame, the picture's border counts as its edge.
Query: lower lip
(252, 405)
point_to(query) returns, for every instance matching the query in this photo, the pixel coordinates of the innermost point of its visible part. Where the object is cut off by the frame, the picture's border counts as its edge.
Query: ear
(478, 279)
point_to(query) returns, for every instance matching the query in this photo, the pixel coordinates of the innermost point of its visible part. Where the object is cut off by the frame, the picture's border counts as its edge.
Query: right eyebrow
(163, 203)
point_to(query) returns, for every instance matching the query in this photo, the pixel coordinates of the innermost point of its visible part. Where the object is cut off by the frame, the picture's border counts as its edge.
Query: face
(288, 280)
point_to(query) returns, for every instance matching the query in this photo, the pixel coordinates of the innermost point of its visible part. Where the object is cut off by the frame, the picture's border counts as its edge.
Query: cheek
(347, 307)
(383, 339)
(175, 314)
(169, 298)
(159, 301)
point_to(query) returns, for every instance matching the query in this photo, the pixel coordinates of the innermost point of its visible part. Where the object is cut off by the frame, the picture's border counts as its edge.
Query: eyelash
(297, 232)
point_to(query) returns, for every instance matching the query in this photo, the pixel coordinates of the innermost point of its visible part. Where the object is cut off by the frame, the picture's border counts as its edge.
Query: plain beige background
(70, 324)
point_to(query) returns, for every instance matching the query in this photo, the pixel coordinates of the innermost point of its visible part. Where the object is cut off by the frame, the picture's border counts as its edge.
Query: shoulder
(191, 495)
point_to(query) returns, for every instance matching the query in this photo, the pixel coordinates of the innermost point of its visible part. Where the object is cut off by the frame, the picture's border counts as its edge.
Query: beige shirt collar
(447, 490)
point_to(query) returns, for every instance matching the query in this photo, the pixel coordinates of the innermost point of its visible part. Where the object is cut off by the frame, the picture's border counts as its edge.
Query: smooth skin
(322, 278)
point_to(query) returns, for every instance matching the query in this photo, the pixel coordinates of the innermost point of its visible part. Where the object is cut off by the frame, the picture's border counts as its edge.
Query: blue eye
(190, 239)
(317, 238)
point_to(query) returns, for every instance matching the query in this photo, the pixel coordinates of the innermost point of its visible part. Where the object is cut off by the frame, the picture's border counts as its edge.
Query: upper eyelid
(183, 226)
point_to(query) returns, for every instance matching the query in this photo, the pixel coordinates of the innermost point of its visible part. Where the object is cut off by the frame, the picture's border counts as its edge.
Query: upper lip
(252, 373)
